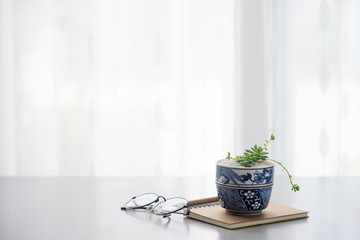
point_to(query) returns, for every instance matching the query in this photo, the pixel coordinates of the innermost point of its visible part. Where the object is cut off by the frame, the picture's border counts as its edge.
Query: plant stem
(295, 187)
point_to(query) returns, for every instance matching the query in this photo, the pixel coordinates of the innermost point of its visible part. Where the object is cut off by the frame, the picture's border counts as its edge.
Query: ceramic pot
(244, 190)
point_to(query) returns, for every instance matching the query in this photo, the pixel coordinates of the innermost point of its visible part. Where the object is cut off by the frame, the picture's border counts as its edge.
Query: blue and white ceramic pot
(244, 190)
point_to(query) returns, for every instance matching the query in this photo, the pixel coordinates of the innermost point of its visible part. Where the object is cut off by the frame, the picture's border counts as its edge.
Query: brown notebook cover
(208, 210)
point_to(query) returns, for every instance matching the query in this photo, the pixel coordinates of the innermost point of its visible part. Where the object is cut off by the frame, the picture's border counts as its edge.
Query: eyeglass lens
(171, 205)
(142, 200)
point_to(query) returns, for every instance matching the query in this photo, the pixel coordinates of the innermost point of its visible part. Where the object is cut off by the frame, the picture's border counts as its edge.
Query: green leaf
(295, 188)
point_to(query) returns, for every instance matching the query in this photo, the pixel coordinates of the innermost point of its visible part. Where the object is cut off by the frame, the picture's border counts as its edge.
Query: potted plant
(244, 183)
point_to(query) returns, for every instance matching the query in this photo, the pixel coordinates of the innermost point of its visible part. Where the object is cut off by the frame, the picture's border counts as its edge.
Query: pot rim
(244, 186)
(269, 165)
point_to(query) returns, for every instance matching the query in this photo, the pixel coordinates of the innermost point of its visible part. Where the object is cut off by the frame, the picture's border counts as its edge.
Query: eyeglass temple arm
(144, 207)
(176, 212)
(131, 208)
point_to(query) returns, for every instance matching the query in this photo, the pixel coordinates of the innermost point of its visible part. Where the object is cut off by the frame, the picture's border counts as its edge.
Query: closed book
(209, 211)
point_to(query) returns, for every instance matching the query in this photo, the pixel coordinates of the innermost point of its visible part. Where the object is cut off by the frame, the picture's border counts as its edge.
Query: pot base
(248, 213)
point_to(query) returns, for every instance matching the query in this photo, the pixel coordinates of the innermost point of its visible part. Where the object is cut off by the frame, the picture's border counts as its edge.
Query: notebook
(208, 210)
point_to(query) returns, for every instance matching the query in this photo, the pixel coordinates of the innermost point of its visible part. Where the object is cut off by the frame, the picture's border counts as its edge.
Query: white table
(69, 208)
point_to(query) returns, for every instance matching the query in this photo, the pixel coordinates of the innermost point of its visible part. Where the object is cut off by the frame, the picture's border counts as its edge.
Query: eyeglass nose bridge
(160, 197)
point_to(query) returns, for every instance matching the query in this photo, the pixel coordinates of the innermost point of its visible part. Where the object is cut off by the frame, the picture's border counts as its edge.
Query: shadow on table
(173, 222)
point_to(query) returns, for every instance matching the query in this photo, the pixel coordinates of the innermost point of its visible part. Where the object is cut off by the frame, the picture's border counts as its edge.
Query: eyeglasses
(156, 204)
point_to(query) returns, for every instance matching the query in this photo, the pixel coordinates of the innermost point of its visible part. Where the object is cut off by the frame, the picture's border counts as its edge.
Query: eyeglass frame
(146, 206)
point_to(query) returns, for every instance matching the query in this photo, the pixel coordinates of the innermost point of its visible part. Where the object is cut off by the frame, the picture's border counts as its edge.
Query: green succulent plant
(258, 154)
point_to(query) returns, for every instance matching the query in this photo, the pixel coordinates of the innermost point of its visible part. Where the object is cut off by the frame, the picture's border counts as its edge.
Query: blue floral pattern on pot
(234, 176)
(244, 190)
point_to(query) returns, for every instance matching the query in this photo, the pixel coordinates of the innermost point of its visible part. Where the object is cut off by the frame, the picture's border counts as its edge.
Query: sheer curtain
(108, 88)
(316, 84)
(116, 87)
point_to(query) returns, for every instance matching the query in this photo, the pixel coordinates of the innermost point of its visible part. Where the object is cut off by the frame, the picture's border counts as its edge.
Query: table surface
(89, 208)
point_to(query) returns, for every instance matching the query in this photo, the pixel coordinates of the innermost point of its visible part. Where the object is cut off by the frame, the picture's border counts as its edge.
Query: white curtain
(137, 87)
(316, 84)
(116, 87)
